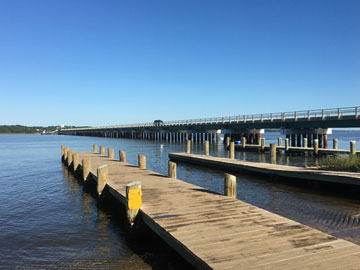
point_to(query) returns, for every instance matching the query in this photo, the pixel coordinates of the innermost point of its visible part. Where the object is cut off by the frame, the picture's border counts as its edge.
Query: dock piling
(188, 146)
(102, 151)
(95, 148)
(273, 153)
(243, 143)
(206, 148)
(111, 153)
(133, 196)
(86, 167)
(62, 152)
(230, 185)
(172, 169)
(279, 141)
(316, 147)
(353, 148)
(69, 157)
(142, 161)
(287, 144)
(232, 150)
(75, 158)
(335, 143)
(262, 144)
(102, 178)
(65, 154)
(122, 156)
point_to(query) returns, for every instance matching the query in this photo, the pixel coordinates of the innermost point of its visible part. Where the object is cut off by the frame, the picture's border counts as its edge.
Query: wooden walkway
(212, 231)
(294, 149)
(303, 173)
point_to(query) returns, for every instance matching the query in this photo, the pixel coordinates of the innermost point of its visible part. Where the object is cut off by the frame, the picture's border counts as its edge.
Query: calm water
(47, 220)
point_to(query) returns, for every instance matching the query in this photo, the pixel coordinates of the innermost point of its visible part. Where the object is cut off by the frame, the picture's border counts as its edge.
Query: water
(47, 220)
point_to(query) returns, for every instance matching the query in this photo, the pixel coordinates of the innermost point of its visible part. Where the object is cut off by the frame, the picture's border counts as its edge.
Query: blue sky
(117, 62)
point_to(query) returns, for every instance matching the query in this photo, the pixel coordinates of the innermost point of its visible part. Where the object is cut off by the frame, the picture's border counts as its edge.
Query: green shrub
(342, 163)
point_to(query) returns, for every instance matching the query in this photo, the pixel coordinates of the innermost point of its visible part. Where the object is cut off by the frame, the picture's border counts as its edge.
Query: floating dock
(235, 165)
(213, 231)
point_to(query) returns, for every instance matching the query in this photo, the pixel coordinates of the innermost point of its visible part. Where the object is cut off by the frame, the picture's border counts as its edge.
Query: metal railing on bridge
(308, 115)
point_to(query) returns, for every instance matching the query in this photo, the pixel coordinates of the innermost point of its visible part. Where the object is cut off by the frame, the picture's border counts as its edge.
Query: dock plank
(212, 231)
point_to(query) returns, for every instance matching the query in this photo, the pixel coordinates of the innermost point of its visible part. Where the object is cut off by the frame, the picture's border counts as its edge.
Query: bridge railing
(308, 115)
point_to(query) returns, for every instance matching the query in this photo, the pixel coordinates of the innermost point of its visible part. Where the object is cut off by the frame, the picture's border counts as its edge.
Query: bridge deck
(212, 231)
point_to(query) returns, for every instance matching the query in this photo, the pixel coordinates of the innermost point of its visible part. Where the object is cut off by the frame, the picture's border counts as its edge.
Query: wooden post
(65, 154)
(273, 153)
(316, 147)
(102, 178)
(206, 148)
(69, 157)
(335, 144)
(232, 150)
(305, 142)
(62, 152)
(102, 151)
(230, 185)
(95, 148)
(263, 144)
(122, 156)
(142, 161)
(227, 141)
(287, 144)
(133, 196)
(172, 169)
(188, 146)
(86, 167)
(111, 153)
(279, 141)
(243, 143)
(353, 148)
(75, 161)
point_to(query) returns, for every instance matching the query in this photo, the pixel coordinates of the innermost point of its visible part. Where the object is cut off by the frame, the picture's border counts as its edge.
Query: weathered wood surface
(269, 169)
(294, 149)
(213, 231)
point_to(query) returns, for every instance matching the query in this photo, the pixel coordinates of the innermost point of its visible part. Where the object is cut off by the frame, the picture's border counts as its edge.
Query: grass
(335, 163)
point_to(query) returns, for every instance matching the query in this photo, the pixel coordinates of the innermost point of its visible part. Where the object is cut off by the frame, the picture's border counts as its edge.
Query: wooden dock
(236, 165)
(294, 149)
(212, 231)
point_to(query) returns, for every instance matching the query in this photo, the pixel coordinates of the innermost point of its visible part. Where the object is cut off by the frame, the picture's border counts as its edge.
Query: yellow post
(122, 156)
(172, 169)
(142, 161)
(134, 201)
(230, 185)
(111, 153)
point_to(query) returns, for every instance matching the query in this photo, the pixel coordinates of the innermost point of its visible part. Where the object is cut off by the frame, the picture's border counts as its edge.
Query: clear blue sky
(116, 62)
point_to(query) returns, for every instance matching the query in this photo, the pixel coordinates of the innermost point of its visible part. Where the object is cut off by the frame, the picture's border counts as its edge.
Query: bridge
(297, 125)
